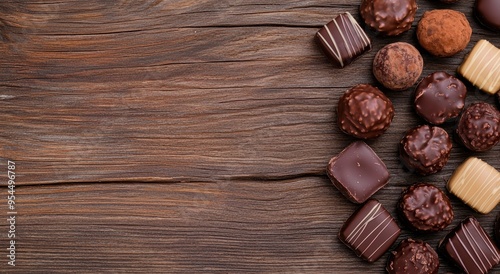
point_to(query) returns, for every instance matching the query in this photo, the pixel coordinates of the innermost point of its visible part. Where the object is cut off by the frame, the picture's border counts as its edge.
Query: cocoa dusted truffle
(487, 12)
(413, 257)
(424, 207)
(479, 127)
(443, 33)
(364, 112)
(389, 17)
(398, 66)
(425, 149)
(439, 97)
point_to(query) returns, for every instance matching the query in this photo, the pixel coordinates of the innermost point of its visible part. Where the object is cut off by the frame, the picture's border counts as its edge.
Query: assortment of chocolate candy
(364, 112)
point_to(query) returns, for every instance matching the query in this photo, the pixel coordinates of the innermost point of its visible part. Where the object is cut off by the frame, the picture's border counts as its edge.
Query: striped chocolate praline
(343, 40)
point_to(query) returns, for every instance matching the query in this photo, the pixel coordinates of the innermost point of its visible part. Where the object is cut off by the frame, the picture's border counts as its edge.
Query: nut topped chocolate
(413, 257)
(424, 207)
(343, 40)
(425, 149)
(364, 112)
(389, 17)
(439, 97)
(479, 127)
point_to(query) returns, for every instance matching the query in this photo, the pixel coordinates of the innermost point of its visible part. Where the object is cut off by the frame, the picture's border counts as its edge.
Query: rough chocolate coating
(425, 149)
(398, 66)
(364, 112)
(443, 32)
(413, 257)
(479, 127)
(389, 17)
(424, 207)
(488, 13)
(439, 97)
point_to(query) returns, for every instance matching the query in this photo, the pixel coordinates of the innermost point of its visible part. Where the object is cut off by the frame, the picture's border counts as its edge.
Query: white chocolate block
(477, 184)
(482, 67)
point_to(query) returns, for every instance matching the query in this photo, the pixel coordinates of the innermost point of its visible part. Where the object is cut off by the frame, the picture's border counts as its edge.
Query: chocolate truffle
(482, 67)
(397, 66)
(488, 13)
(425, 149)
(364, 112)
(424, 207)
(370, 231)
(497, 229)
(479, 127)
(470, 247)
(439, 97)
(413, 257)
(357, 172)
(443, 32)
(343, 40)
(389, 17)
(477, 184)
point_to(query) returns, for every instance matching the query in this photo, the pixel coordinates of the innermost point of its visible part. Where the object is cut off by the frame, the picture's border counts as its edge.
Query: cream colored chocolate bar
(482, 67)
(477, 184)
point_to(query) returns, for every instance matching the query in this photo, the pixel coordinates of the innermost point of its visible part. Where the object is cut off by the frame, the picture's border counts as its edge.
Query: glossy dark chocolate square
(370, 231)
(343, 40)
(357, 172)
(470, 247)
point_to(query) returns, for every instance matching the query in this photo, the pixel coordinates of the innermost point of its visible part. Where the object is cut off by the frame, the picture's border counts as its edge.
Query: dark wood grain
(190, 136)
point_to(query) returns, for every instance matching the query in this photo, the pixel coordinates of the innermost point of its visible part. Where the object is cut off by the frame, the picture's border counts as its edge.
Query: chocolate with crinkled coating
(389, 17)
(413, 257)
(364, 112)
(439, 97)
(479, 127)
(425, 207)
(425, 149)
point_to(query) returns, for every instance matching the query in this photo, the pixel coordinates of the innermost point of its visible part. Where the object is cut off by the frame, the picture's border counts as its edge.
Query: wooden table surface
(191, 136)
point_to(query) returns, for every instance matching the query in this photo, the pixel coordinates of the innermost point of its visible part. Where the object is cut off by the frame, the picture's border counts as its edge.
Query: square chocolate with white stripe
(343, 40)
(370, 231)
(470, 247)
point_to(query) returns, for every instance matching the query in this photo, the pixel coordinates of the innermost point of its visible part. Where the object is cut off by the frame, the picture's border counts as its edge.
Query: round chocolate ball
(479, 127)
(439, 97)
(424, 207)
(413, 257)
(443, 33)
(425, 149)
(488, 13)
(389, 17)
(364, 112)
(398, 66)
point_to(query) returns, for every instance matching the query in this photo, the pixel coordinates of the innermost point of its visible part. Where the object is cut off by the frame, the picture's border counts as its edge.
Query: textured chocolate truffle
(439, 97)
(488, 13)
(389, 17)
(443, 32)
(425, 149)
(413, 257)
(397, 66)
(424, 207)
(479, 127)
(364, 112)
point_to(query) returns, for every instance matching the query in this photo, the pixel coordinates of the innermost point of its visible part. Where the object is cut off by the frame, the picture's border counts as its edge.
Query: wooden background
(190, 136)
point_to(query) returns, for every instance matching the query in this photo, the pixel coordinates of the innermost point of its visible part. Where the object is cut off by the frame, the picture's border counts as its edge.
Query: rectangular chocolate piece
(477, 184)
(343, 40)
(482, 67)
(370, 231)
(357, 172)
(470, 247)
